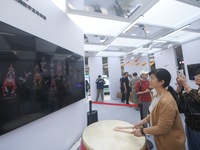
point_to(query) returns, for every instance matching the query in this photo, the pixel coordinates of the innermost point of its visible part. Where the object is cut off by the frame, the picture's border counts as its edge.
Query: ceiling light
(98, 26)
(109, 54)
(128, 53)
(129, 42)
(106, 47)
(171, 14)
(132, 24)
(181, 36)
(150, 46)
(93, 47)
(144, 54)
(159, 41)
(170, 46)
(178, 30)
(137, 49)
(99, 53)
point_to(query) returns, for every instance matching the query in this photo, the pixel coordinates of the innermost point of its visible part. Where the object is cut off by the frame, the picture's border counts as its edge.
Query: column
(114, 71)
(95, 69)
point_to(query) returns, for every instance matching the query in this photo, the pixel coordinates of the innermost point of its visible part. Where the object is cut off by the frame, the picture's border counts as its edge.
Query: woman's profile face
(153, 82)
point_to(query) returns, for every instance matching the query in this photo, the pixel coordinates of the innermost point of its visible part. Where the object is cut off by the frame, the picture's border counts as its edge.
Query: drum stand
(149, 143)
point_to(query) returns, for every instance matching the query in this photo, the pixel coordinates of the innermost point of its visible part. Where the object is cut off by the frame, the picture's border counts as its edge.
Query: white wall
(191, 54)
(167, 59)
(59, 130)
(57, 29)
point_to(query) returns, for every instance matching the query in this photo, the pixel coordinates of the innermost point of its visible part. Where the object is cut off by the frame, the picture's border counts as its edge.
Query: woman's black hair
(163, 74)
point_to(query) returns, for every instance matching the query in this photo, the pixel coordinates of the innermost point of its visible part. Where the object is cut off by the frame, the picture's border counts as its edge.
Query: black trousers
(127, 96)
(123, 96)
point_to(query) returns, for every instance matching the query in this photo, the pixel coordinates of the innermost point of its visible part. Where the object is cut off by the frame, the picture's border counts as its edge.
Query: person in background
(127, 88)
(100, 85)
(132, 84)
(130, 76)
(122, 89)
(87, 87)
(143, 91)
(192, 118)
(164, 118)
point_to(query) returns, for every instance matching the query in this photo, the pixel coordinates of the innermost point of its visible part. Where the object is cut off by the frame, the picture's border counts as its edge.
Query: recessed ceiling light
(109, 54)
(129, 42)
(93, 47)
(144, 54)
(171, 13)
(98, 26)
(181, 36)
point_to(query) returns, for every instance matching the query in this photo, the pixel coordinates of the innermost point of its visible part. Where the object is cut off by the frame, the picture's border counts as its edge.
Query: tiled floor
(123, 113)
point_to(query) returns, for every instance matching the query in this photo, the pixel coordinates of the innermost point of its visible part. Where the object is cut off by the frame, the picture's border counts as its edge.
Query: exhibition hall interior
(50, 49)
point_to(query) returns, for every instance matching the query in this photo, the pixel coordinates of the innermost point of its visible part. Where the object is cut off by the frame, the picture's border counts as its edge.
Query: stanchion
(92, 115)
(149, 143)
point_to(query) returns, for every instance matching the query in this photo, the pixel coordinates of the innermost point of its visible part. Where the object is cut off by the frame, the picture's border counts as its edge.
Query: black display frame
(37, 77)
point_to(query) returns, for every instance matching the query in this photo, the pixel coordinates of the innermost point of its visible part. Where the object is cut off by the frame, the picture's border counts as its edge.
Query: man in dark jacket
(127, 88)
(100, 84)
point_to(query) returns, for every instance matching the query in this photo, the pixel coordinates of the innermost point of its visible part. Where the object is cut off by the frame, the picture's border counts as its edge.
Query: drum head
(101, 136)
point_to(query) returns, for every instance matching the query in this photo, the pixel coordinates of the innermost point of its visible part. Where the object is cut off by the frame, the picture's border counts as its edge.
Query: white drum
(101, 136)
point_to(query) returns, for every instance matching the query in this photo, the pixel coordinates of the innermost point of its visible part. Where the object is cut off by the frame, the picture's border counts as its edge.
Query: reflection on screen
(36, 78)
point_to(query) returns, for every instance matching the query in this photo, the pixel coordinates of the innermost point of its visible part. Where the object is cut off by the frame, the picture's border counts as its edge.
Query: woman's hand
(137, 132)
(179, 81)
(182, 80)
(140, 124)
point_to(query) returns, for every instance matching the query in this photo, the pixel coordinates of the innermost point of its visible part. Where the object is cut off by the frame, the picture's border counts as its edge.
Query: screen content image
(36, 78)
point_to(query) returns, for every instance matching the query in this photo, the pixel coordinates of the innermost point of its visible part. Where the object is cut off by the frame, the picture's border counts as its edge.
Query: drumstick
(120, 130)
(131, 127)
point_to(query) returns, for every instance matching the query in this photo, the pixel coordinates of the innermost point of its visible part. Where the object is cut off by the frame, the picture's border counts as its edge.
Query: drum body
(101, 136)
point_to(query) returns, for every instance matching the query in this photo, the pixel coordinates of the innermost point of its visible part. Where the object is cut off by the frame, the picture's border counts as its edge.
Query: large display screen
(36, 78)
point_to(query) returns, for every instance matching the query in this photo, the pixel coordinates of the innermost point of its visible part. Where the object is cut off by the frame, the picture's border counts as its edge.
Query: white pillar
(167, 59)
(114, 71)
(95, 69)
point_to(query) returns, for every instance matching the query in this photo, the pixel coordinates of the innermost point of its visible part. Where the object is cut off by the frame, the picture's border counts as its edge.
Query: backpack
(140, 89)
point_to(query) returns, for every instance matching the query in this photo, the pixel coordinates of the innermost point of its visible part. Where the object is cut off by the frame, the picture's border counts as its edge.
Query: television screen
(36, 78)
(192, 68)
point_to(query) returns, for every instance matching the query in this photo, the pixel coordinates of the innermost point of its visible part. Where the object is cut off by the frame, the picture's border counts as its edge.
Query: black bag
(140, 88)
(180, 103)
(92, 115)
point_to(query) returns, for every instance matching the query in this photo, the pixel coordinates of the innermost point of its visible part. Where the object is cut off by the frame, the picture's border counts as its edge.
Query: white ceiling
(161, 23)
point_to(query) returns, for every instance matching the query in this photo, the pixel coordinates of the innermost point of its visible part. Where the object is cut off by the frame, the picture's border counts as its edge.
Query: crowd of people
(162, 106)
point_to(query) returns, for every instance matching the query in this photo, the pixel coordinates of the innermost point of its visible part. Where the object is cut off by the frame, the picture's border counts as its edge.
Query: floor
(123, 113)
